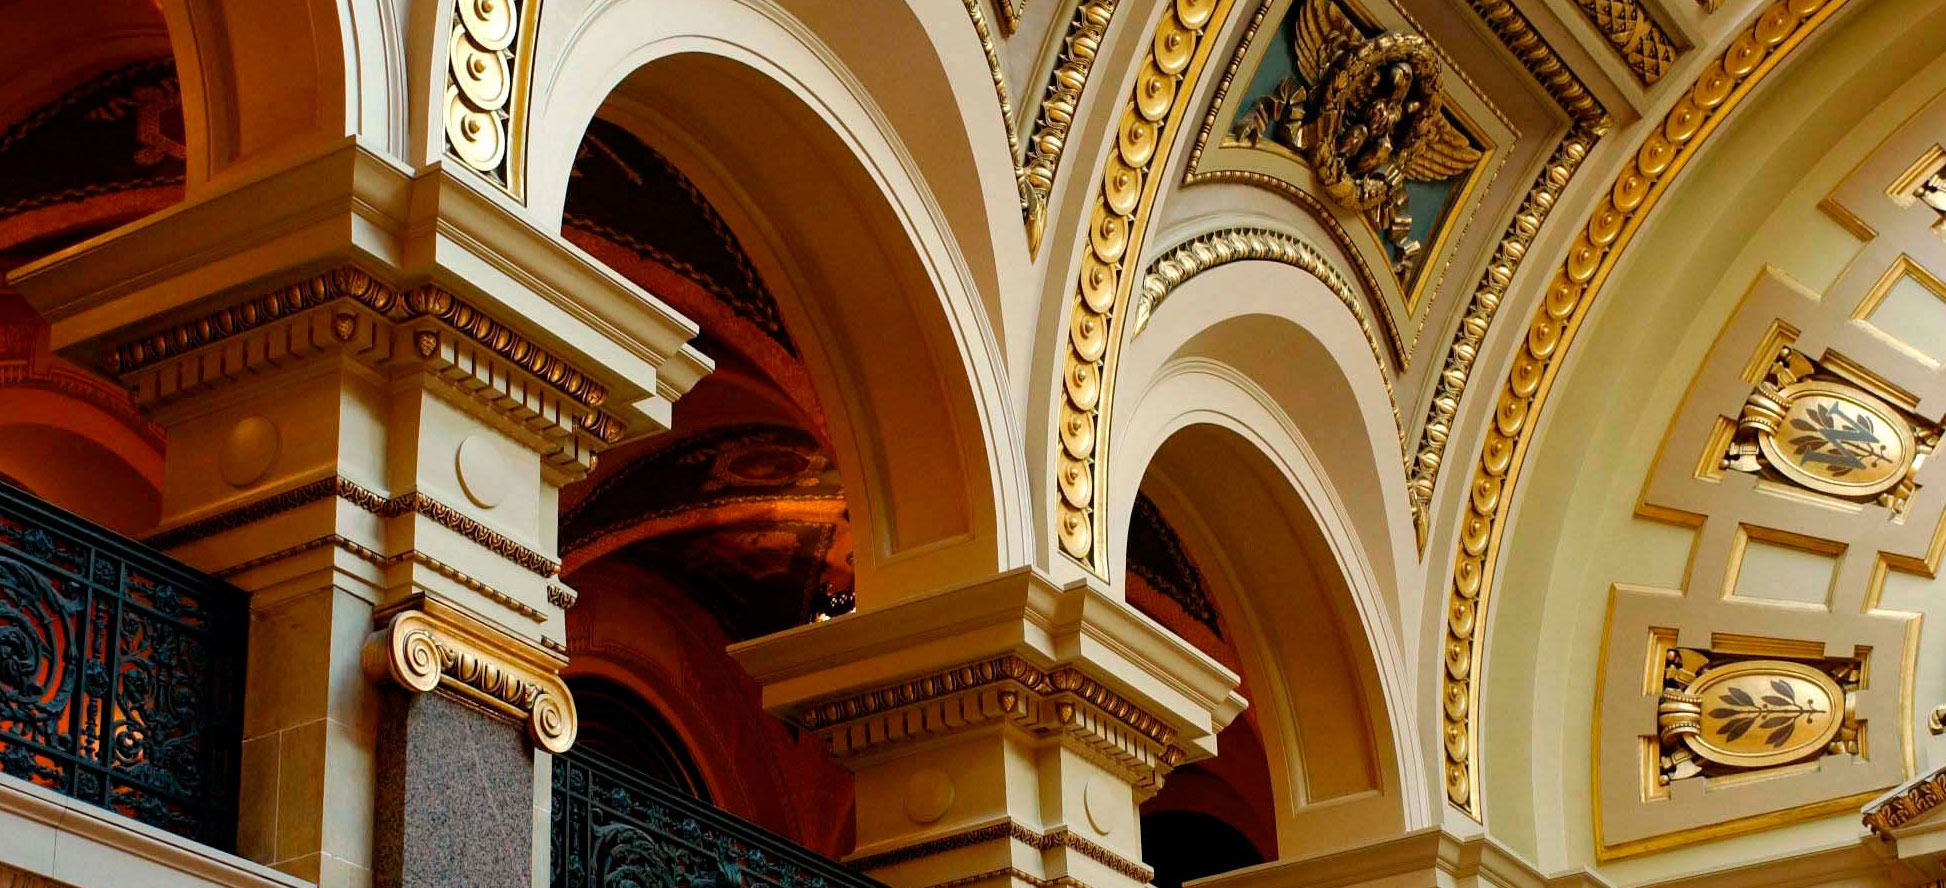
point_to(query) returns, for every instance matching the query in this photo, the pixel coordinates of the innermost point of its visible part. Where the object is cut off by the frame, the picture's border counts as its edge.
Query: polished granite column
(454, 796)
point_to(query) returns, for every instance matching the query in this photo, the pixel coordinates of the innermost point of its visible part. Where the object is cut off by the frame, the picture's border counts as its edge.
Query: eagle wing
(1321, 31)
(1446, 153)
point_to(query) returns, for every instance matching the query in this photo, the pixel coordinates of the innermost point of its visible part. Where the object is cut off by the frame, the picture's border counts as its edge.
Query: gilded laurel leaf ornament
(1724, 715)
(1805, 426)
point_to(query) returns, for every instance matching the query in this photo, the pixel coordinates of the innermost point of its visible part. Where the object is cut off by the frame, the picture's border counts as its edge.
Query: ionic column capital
(430, 647)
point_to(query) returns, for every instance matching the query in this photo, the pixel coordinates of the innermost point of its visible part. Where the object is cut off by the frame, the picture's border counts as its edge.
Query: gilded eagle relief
(1367, 113)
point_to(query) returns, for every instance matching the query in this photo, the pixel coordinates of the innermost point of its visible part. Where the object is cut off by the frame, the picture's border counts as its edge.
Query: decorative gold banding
(561, 596)
(434, 302)
(1063, 680)
(369, 500)
(485, 106)
(1156, 103)
(999, 73)
(1753, 54)
(438, 648)
(1422, 467)
(1177, 265)
(1060, 837)
(1063, 97)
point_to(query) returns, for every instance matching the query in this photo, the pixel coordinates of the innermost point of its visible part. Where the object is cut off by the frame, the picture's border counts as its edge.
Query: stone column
(1002, 734)
(373, 386)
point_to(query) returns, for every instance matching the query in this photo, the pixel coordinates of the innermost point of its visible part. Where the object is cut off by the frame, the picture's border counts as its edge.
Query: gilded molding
(1058, 107)
(485, 106)
(1596, 248)
(1193, 257)
(1908, 803)
(1422, 466)
(1010, 12)
(1060, 837)
(528, 355)
(999, 73)
(329, 286)
(1107, 273)
(1516, 32)
(1641, 41)
(424, 650)
(410, 502)
(561, 596)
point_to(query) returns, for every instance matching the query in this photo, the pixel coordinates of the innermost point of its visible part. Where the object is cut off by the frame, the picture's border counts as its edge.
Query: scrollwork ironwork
(120, 673)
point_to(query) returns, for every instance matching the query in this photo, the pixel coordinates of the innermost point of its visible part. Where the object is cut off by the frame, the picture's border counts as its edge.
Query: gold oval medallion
(1838, 440)
(1759, 713)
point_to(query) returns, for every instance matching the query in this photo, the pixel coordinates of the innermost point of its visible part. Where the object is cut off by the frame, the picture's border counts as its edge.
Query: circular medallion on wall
(482, 471)
(248, 452)
(1104, 810)
(928, 793)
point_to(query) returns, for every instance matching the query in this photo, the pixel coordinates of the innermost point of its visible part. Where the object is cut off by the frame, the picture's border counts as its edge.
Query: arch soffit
(613, 42)
(263, 75)
(1327, 442)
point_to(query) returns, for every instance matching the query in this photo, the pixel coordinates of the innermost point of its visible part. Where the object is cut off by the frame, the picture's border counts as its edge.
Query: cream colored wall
(1750, 200)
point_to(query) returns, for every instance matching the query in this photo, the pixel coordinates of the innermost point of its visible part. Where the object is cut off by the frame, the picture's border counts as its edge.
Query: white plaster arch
(820, 190)
(269, 80)
(1268, 355)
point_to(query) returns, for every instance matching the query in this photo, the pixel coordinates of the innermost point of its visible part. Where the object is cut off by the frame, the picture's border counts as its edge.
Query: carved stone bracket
(439, 649)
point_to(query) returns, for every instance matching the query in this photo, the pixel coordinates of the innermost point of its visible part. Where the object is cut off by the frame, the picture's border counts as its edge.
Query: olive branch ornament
(1839, 442)
(1777, 713)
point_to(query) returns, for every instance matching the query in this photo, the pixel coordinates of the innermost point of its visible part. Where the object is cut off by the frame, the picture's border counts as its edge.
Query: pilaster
(373, 385)
(1002, 733)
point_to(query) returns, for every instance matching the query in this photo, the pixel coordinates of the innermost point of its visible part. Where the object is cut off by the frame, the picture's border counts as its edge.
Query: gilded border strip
(1634, 34)
(1200, 254)
(369, 500)
(1576, 282)
(380, 560)
(1107, 273)
(1062, 99)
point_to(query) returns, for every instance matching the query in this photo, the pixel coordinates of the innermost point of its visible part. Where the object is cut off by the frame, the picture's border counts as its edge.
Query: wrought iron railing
(121, 673)
(613, 828)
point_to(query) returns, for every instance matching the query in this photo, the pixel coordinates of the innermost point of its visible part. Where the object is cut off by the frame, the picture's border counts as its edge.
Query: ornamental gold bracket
(1810, 428)
(441, 649)
(1722, 715)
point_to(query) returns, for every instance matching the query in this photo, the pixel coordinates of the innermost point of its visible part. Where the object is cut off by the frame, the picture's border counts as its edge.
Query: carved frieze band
(363, 289)
(1645, 46)
(1014, 831)
(1597, 246)
(1063, 97)
(1107, 272)
(410, 502)
(1910, 803)
(381, 560)
(1187, 260)
(422, 651)
(1009, 668)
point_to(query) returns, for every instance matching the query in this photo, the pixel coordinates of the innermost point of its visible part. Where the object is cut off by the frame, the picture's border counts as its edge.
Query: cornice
(1013, 830)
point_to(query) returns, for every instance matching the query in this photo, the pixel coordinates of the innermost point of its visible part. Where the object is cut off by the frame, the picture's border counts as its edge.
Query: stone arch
(1252, 410)
(821, 193)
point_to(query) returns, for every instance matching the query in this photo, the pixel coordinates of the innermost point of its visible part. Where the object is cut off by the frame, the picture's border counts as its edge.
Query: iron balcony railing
(614, 828)
(121, 673)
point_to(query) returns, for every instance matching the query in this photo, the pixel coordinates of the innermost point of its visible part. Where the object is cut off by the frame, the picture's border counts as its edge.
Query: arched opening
(622, 728)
